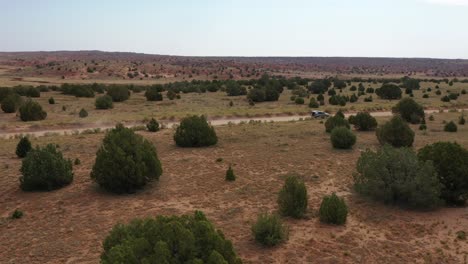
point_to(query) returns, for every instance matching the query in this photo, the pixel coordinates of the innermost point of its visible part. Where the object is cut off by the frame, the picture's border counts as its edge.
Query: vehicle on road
(319, 114)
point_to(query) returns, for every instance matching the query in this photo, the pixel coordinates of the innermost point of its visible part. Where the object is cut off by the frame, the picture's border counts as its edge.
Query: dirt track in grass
(68, 225)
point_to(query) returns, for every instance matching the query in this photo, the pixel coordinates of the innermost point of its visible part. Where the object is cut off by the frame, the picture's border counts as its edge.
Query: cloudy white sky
(371, 28)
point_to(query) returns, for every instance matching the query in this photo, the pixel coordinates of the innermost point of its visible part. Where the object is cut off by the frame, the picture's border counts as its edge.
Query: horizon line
(231, 56)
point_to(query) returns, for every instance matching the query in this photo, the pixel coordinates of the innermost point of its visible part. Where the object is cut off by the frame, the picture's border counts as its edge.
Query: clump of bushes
(363, 121)
(31, 111)
(450, 162)
(45, 169)
(11, 103)
(333, 210)
(313, 103)
(230, 174)
(125, 162)
(409, 110)
(450, 127)
(153, 125)
(194, 131)
(335, 121)
(168, 239)
(23, 147)
(395, 132)
(118, 93)
(342, 138)
(299, 100)
(83, 113)
(269, 230)
(397, 176)
(153, 93)
(51, 100)
(389, 91)
(104, 102)
(292, 198)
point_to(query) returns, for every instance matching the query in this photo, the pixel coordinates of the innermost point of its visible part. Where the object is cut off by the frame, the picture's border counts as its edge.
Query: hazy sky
(374, 28)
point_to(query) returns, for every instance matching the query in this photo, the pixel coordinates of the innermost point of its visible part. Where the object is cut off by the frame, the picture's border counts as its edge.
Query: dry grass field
(69, 224)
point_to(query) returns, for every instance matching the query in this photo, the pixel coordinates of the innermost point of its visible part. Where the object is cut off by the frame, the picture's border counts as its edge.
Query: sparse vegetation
(17, 214)
(230, 174)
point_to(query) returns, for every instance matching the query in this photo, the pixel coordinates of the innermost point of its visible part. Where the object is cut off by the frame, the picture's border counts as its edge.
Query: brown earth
(68, 225)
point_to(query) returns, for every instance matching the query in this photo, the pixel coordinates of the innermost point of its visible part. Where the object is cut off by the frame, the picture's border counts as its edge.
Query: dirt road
(39, 132)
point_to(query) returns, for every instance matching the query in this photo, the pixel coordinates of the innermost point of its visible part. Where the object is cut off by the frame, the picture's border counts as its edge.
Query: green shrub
(11, 103)
(450, 127)
(153, 94)
(292, 198)
(77, 161)
(118, 93)
(450, 162)
(17, 214)
(397, 176)
(168, 239)
(32, 111)
(363, 121)
(171, 95)
(333, 210)
(153, 125)
(269, 230)
(409, 110)
(104, 102)
(335, 121)
(230, 174)
(423, 125)
(23, 147)
(313, 103)
(461, 120)
(45, 169)
(83, 113)
(389, 91)
(445, 99)
(299, 100)
(395, 132)
(125, 162)
(194, 131)
(51, 100)
(342, 138)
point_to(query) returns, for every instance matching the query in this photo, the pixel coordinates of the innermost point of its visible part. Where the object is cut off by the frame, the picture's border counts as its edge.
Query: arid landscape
(234, 132)
(68, 225)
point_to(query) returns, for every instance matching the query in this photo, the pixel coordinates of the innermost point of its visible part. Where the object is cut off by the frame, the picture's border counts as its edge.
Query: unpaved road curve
(215, 122)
